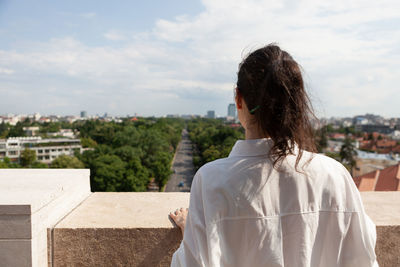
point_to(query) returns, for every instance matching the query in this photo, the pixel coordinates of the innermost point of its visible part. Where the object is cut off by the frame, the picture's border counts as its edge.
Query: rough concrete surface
(142, 247)
(388, 245)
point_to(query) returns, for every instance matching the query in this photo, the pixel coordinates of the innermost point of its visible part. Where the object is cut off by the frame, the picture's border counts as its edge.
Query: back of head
(271, 84)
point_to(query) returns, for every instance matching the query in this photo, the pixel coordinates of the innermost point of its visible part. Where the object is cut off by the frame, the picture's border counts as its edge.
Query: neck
(252, 134)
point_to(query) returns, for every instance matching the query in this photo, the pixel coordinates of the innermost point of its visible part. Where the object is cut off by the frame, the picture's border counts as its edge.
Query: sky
(181, 57)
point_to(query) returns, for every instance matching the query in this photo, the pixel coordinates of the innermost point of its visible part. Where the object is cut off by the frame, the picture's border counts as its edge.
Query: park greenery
(7, 130)
(212, 139)
(121, 156)
(127, 155)
(329, 128)
(67, 162)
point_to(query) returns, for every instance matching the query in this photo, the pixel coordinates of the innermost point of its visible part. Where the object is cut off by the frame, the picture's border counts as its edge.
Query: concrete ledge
(119, 229)
(133, 229)
(384, 209)
(32, 200)
(50, 217)
(125, 210)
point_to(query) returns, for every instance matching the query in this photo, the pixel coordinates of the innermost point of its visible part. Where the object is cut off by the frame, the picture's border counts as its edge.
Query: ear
(238, 99)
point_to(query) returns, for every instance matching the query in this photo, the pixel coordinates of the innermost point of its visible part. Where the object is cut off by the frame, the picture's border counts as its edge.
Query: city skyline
(178, 57)
(84, 114)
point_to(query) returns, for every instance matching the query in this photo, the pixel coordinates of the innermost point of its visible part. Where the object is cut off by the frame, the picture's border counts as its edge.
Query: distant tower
(83, 114)
(211, 114)
(36, 116)
(231, 110)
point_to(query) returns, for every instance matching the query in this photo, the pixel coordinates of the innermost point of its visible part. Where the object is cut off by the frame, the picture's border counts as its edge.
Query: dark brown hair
(271, 84)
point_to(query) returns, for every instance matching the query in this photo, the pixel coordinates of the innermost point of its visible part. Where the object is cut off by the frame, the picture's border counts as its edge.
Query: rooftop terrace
(50, 217)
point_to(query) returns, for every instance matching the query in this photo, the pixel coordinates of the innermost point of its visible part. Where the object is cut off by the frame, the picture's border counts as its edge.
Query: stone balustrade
(120, 229)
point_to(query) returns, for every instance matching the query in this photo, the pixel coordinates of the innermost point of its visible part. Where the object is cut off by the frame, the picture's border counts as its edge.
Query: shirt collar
(251, 147)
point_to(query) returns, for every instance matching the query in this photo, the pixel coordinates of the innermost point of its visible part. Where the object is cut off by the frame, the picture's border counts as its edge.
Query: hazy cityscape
(374, 141)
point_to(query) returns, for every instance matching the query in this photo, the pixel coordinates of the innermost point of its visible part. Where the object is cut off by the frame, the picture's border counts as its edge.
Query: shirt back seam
(282, 215)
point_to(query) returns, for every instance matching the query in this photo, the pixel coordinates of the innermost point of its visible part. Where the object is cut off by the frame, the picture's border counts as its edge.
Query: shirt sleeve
(193, 250)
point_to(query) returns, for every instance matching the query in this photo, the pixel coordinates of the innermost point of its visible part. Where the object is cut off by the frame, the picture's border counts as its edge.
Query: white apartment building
(46, 149)
(69, 133)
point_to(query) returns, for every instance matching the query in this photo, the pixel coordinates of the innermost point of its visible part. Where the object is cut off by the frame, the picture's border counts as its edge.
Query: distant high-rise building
(36, 116)
(83, 114)
(231, 110)
(211, 114)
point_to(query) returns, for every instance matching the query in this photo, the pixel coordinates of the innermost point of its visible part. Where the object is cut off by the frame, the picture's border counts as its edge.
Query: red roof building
(374, 135)
(396, 149)
(381, 146)
(386, 143)
(387, 179)
(340, 136)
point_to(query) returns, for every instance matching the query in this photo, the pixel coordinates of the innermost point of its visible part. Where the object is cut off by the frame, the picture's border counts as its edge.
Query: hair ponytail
(271, 80)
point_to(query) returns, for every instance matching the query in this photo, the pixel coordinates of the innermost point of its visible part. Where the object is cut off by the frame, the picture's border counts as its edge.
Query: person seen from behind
(274, 201)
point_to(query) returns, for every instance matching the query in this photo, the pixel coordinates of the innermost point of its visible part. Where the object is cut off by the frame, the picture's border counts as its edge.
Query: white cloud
(114, 36)
(340, 44)
(6, 71)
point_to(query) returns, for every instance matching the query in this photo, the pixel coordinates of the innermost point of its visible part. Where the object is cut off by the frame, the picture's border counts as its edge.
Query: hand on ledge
(179, 217)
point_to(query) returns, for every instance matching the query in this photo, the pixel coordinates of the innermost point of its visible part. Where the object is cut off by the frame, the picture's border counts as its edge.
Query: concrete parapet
(132, 229)
(50, 217)
(384, 209)
(31, 201)
(119, 229)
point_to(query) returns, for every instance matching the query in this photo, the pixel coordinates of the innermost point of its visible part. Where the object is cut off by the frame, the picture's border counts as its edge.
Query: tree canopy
(28, 157)
(348, 153)
(125, 156)
(67, 162)
(213, 139)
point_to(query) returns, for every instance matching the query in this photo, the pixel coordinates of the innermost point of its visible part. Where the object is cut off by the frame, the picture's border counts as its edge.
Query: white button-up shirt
(244, 212)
